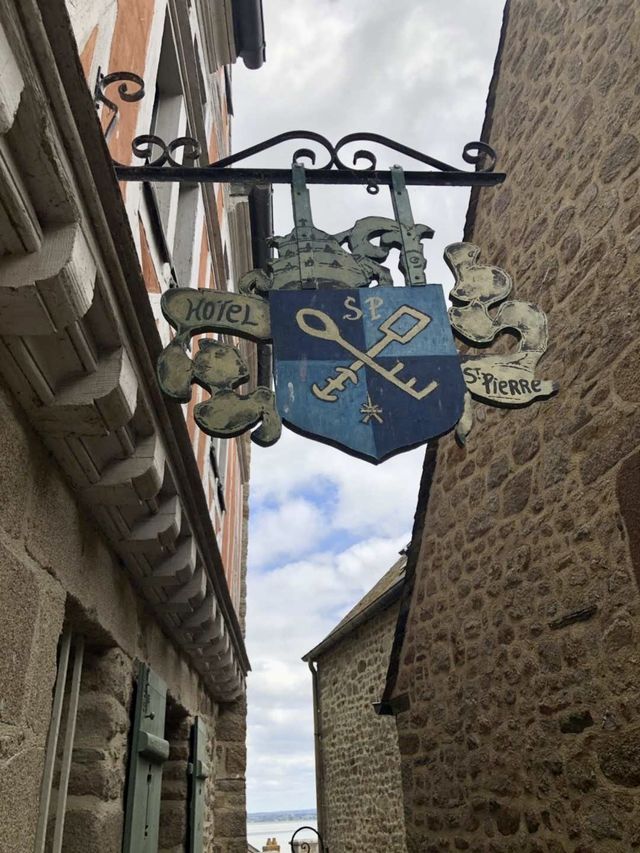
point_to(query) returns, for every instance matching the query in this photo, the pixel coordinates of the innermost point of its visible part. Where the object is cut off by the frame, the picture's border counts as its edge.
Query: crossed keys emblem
(327, 329)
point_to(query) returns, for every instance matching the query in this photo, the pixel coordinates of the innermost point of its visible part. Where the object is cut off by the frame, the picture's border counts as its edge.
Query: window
(169, 121)
(187, 234)
(106, 726)
(201, 85)
(227, 89)
(175, 210)
(65, 705)
(218, 456)
(168, 766)
(82, 788)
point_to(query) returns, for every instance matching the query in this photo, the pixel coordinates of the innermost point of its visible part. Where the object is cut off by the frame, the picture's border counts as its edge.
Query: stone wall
(56, 570)
(228, 784)
(521, 658)
(360, 759)
(94, 814)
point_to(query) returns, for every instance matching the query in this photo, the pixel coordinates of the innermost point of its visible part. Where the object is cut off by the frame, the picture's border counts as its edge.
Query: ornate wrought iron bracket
(103, 81)
(372, 370)
(164, 161)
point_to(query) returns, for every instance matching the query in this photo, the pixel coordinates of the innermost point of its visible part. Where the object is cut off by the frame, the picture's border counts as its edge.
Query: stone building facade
(515, 670)
(357, 758)
(122, 533)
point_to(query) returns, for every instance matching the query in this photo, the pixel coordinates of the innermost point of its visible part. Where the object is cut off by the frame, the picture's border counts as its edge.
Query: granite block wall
(227, 786)
(521, 655)
(56, 570)
(359, 752)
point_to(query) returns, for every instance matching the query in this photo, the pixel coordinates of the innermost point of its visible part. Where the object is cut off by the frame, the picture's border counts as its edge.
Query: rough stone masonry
(362, 790)
(521, 657)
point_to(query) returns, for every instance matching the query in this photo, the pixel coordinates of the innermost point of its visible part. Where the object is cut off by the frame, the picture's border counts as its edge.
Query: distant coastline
(282, 817)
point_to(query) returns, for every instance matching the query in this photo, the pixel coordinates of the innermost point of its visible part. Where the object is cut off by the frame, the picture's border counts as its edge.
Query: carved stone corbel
(43, 292)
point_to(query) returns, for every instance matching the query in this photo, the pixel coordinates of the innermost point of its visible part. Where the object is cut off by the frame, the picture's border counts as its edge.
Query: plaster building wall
(360, 802)
(520, 659)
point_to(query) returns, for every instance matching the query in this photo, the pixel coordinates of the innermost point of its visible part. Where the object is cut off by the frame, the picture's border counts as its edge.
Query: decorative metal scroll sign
(358, 363)
(373, 370)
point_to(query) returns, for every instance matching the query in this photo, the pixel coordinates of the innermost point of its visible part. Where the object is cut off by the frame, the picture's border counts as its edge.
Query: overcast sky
(324, 527)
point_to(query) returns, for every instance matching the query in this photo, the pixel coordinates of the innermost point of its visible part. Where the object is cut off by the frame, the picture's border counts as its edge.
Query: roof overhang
(124, 448)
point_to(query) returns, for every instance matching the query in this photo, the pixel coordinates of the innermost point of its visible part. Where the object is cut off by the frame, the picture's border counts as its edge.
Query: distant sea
(278, 825)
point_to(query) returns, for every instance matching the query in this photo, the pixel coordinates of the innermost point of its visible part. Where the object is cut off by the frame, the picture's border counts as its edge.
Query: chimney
(271, 846)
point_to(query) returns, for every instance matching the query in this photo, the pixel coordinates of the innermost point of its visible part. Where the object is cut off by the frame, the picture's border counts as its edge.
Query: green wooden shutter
(199, 772)
(149, 750)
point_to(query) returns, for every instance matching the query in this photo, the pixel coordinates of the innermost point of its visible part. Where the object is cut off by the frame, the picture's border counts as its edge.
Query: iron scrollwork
(142, 147)
(304, 846)
(334, 167)
(124, 78)
(484, 156)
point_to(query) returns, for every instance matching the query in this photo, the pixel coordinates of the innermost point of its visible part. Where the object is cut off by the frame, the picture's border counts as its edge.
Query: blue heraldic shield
(372, 371)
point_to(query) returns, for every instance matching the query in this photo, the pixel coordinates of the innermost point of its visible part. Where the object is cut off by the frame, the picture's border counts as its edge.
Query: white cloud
(417, 72)
(287, 530)
(367, 498)
(290, 609)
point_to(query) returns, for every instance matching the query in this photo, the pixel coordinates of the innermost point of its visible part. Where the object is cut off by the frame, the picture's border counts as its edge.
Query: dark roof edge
(382, 602)
(487, 124)
(248, 30)
(261, 216)
(428, 471)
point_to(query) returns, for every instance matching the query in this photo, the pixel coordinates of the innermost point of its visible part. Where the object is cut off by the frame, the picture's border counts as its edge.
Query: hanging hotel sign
(358, 363)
